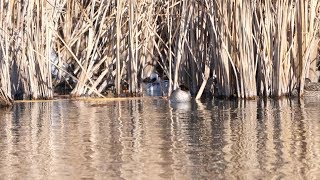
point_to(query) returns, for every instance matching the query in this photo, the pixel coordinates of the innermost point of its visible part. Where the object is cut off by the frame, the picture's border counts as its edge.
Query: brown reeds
(260, 45)
(253, 47)
(26, 42)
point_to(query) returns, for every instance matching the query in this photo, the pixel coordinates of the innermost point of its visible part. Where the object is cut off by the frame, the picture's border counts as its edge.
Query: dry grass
(254, 47)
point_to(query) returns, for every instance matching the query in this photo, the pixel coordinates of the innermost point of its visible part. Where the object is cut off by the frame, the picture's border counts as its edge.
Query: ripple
(149, 138)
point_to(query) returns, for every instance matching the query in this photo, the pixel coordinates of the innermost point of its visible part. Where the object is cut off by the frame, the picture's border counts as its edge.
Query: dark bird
(311, 86)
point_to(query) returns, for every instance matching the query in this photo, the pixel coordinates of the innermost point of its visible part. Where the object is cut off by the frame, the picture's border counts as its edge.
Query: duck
(155, 86)
(311, 86)
(152, 78)
(152, 82)
(311, 89)
(180, 95)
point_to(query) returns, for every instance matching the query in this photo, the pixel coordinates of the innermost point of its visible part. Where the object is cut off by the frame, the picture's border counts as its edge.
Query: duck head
(153, 78)
(184, 88)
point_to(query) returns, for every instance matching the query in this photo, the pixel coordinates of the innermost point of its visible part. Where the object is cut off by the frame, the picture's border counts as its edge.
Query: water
(150, 139)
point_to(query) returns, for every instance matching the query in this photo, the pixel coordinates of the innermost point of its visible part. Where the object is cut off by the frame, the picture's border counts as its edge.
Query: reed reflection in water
(150, 139)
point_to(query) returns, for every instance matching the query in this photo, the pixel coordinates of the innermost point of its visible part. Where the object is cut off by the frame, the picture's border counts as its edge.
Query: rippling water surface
(150, 139)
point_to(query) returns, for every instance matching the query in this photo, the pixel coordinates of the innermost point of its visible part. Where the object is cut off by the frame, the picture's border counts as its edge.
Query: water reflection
(150, 138)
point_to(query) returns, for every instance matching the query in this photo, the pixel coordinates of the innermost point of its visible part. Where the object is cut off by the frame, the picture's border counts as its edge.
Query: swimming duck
(155, 86)
(180, 95)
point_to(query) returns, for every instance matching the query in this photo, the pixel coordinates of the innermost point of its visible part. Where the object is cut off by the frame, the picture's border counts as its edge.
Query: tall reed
(26, 42)
(253, 47)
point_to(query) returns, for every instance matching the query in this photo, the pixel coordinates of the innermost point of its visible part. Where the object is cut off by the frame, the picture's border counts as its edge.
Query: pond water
(149, 138)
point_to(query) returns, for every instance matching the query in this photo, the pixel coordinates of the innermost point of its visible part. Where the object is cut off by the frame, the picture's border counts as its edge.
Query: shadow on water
(151, 138)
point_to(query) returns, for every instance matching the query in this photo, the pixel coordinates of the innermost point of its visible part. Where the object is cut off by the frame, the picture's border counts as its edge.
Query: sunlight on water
(150, 138)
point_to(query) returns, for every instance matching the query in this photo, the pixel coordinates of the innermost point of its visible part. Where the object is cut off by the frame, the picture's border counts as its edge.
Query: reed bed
(253, 48)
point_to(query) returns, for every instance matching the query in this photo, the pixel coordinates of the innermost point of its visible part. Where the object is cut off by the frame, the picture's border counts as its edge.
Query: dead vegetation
(254, 48)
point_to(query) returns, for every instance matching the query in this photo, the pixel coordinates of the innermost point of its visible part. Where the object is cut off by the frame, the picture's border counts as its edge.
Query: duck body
(155, 86)
(312, 86)
(180, 96)
(153, 89)
(311, 89)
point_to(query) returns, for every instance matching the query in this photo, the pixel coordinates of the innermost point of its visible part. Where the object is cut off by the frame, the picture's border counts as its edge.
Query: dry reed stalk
(179, 50)
(219, 15)
(264, 24)
(104, 42)
(254, 47)
(5, 78)
(169, 11)
(307, 23)
(86, 65)
(5, 100)
(281, 48)
(192, 62)
(27, 35)
(118, 38)
(132, 66)
(244, 44)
